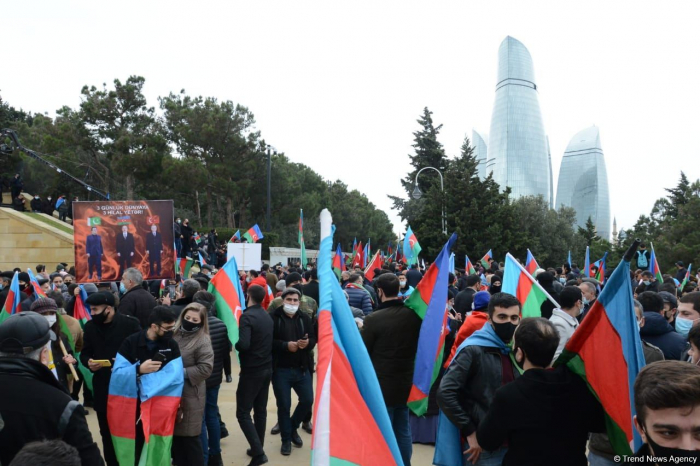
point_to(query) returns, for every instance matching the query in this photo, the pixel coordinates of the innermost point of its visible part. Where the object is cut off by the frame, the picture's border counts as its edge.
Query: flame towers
(517, 149)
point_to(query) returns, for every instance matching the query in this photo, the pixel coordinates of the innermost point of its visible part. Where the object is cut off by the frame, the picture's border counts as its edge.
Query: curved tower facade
(479, 141)
(583, 181)
(518, 146)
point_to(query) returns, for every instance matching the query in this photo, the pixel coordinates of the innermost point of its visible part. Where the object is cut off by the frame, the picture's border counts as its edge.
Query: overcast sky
(339, 86)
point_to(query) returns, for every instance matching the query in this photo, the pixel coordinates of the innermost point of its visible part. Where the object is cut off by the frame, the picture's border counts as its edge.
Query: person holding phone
(102, 337)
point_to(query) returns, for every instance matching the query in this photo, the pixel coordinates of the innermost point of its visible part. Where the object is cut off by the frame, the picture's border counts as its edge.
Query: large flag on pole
(349, 404)
(654, 266)
(452, 262)
(183, 266)
(531, 264)
(469, 268)
(606, 351)
(411, 247)
(375, 263)
(35, 285)
(600, 265)
(520, 283)
(236, 235)
(686, 278)
(338, 262)
(429, 300)
(81, 312)
(486, 260)
(302, 246)
(230, 302)
(253, 235)
(587, 263)
(13, 300)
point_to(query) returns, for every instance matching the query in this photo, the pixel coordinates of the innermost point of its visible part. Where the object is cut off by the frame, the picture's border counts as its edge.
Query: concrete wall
(26, 242)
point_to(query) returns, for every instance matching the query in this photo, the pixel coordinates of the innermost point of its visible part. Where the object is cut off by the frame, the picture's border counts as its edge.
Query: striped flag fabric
(357, 257)
(411, 247)
(35, 285)
(201, 259)
(13, 300)
(183, 266)
(469, 268)
(338, 262)
(302, 245)
(587, 263)
(606, 352)
(159, 393)
(530, 263)
(253, 235)
(520, 283)
(429, 301)
(374, 263)
(197, 238)
(654, 266)
(236, 235)
(349, 403)
(452, 262)
(686, 279)
(600, 264)
(81, 312)
(485, 261)
(230, 302)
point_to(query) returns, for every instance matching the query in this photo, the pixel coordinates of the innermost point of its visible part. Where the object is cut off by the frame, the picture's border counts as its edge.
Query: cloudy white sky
(339, 85)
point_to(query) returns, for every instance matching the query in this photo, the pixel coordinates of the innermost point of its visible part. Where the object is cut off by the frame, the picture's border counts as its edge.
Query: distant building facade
(480, 144)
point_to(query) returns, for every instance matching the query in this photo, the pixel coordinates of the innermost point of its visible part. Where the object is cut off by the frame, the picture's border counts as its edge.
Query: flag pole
(552, 300)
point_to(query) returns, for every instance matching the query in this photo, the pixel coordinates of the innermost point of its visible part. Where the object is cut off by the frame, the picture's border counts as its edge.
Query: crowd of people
(496, 386)
(42, 205)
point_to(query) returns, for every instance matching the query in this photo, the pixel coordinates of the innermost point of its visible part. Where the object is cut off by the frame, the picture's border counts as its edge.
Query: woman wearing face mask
(57, 362)
(192, 336)
(495, 285)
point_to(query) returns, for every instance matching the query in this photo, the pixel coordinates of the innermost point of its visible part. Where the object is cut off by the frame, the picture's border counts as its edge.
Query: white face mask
(402, 283)
(51, 319)
(291, 309)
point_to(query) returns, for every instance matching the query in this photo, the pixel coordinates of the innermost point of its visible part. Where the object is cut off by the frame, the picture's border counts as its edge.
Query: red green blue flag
(349, 403)
(587, 263)
(469, 268)
(13, 300)
(531, 264)
(183, 266)
(230, 302)
(236, 235)
(411, 247)
(654, 266)
(338, 262)
(600, 265)
(687, 277)
(606, 352)
(429, 301)
(159, 393)
(81, 312)
(520, 283)
(486, 260)
(253, 235)
(201, 259)
(35, 285)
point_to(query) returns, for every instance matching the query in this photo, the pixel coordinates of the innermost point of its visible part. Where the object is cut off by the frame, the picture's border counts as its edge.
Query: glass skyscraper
(480, 152)
(517, 148)
(583, 181)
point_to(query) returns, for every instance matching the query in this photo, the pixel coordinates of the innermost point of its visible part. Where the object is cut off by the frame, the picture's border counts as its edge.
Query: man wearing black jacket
(465, 298)
(255, 351)
(391, 336)
(294, 339)
(33, 405)
(545, 415)
(137, 301)
(101, 339)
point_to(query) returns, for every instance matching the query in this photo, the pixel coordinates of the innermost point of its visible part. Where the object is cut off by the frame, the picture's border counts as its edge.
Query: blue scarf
(448, 442)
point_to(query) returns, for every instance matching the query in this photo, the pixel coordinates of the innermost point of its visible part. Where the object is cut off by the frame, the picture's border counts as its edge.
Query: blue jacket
(359, 298)
(659, 332)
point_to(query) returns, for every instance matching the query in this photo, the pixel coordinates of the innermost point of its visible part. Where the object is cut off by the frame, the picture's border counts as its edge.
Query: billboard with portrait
(111, 236)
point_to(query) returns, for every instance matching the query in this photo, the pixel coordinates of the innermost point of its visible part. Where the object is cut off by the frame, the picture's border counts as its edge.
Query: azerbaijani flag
(429, 300)
(253, 235)
(35, 284)
(600, 264)
(654, 266)
(161, 289)
(686, 278)
(183, 266)
(452, 262)
(530, 263)
(237, 235)
(349, 404)
(230, 302)
(198, 238)
(354, 250)
(81, 312)
(411, 247)
(201, 259)
(338, 262)
(160, 394)
(469, 268)
(520, 283)
(304, 261)
(13, 300)
(485, 260)
(606, 351)
(587, 263)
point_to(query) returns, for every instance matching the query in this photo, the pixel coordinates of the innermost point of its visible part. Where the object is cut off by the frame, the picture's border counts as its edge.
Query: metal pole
(269, 176)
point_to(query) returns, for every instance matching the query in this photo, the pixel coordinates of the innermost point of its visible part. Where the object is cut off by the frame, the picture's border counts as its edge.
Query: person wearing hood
(546, 280)
(255, 278)
(545, 415)
(47, 206)
(657, 330)
(29, 289)
(294, 339)
(36, 204)
(495, 286)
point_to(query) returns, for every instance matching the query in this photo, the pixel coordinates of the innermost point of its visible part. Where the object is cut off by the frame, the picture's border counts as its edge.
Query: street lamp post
(417, 194)
(269, 176)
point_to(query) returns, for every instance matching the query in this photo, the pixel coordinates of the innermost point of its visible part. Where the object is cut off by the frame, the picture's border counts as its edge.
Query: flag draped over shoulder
(429, 300)
(485, 261)
(230, 302)
(530, 263)
(411, 247)
(606, 352)
(349, 403)
(159, 393)
(520, 283)
(253, 235)
(13, 300)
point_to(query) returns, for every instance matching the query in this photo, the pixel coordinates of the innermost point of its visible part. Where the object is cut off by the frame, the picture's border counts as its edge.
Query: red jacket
(261, 281)
(472, 323)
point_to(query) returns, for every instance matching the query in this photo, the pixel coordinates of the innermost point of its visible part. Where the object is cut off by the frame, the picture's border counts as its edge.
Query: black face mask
(504, 331)
(166, 335)
(668, 452)
(100, 319)
(495, 289)
(190, 326)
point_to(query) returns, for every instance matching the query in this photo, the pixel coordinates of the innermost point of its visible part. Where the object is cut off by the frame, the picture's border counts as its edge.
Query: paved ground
(235, 445)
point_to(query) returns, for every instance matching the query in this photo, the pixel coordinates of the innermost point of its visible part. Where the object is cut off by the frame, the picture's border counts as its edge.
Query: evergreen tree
(589, 232)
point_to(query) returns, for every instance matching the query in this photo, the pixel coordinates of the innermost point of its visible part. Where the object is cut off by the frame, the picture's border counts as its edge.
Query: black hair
(670, 287)
(47, 453)
(161, 315)
(569, 296)
(646, 273)
(538, 339)
(693, 298)
(651, 301)
(503, 300)
(472, 280)
(253, 273)
(58, 297)
(389, 284)
(694, 336)
(256, 293)
(313, 274)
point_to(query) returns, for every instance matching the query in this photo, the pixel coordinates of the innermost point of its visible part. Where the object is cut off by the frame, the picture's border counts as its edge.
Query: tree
(589, 232)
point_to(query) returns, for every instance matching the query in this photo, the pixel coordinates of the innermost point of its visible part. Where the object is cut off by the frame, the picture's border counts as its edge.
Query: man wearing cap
(33, 405)
(670, 306)
(307, 305)
(102, 337)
